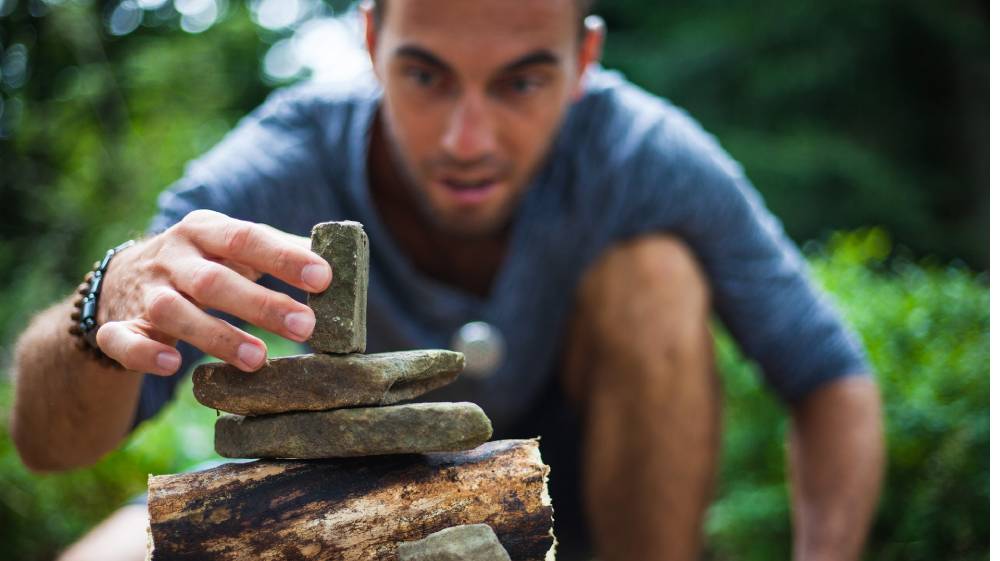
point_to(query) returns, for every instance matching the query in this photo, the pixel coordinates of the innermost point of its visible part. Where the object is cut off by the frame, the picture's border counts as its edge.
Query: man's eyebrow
(541, 56)
(423, 55)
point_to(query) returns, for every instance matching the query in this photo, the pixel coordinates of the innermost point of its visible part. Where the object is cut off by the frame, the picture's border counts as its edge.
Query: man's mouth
(469, 191)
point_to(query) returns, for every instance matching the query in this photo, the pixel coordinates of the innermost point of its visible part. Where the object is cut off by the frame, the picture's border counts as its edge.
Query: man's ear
(591, 48)
(367, 9)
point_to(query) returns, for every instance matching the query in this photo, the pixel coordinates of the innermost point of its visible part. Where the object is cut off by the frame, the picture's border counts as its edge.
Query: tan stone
(366, 431)
(470, 542)
(341, 309)
(316, 382)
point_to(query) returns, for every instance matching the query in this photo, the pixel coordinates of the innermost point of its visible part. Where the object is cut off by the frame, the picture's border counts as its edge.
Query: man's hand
(70, 410)
(155, 293)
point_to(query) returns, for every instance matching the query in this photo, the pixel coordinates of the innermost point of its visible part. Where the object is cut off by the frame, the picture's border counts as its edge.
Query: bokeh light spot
(151, 4)
(7, 6)
(280, 62)
(14, 66)
(276, 14)
(197, 15)
(125, 18)
(330, 48)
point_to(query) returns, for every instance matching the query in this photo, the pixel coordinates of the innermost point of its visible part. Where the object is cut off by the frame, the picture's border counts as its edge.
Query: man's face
(475, 91)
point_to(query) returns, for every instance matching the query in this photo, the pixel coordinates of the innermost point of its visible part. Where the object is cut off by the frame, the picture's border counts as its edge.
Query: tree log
(352, 509)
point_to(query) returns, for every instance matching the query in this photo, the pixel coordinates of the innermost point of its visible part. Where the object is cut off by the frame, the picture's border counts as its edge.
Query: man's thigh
(651, 286)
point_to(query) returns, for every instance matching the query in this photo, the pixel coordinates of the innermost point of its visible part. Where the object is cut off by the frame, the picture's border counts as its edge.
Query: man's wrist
(84, 316)
(114, 302)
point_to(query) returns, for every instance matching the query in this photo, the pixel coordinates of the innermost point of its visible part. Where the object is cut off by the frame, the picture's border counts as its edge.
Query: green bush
(925, 327)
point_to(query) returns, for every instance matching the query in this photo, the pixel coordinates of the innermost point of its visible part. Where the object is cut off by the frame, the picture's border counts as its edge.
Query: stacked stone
(339, 402)
(470, 542)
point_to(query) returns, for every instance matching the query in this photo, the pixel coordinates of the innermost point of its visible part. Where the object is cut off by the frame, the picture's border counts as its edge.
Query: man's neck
(465, 263)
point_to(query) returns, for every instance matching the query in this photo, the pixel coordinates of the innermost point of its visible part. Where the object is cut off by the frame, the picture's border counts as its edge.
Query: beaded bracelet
(84, 316)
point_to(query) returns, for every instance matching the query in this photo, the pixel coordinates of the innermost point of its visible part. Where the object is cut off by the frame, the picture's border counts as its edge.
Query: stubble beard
(494, 227)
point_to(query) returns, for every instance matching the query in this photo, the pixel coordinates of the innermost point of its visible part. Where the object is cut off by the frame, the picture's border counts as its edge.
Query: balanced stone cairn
(330, 407)
(339, 402)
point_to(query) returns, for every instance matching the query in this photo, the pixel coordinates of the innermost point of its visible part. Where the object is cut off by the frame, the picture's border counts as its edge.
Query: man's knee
(643, 302)
(644, 293)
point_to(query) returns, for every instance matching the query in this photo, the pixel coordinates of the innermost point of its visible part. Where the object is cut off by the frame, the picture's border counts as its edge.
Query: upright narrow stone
(469, 542)
(340, 309)
(364, 431)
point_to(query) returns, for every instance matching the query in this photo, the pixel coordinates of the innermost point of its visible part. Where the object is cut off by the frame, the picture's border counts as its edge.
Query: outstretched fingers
(172, 316)
(176, 316)
(217, 286)
(260, 248)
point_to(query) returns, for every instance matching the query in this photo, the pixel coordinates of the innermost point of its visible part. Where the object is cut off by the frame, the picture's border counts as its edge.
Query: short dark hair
(583, 10)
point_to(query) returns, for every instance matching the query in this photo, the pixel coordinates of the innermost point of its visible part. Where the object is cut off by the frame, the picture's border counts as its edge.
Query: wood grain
(352, 509)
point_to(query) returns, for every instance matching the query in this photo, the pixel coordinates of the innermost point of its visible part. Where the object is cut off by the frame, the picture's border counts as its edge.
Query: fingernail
(250, 355)
(168, 362)
(316, 277)
(300, 323)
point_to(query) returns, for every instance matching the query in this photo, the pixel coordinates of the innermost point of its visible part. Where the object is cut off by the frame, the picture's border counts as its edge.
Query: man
(501, 177)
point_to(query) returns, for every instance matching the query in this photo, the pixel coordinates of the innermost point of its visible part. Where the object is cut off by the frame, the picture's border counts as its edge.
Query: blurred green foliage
(104, 126)
(845, 114)
(925, 328)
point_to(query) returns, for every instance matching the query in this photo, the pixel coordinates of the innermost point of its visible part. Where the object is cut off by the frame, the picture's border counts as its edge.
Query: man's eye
(421, 77)
(523, 85)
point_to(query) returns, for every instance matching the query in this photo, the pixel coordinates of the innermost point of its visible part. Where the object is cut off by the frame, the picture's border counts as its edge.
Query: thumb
(128, 343)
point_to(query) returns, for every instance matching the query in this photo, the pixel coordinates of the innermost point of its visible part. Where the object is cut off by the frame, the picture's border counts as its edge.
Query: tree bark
(352, 509)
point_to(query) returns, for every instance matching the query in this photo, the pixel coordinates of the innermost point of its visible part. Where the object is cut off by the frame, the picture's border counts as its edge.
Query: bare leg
(121, 537)
(640, 364)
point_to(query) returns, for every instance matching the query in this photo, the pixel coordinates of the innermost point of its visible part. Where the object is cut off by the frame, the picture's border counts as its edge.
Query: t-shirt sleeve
(263, 171)
(762, 289)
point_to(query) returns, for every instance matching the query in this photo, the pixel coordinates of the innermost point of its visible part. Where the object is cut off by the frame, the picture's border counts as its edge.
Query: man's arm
(69, 411)
(837, 458)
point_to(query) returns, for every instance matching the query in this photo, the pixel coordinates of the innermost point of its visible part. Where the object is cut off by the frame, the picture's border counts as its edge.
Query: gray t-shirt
(625, 163)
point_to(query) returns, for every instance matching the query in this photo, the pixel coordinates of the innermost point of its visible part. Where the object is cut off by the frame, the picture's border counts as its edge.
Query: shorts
(561, 429)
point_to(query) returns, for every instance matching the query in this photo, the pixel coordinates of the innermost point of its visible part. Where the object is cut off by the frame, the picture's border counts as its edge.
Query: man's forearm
(837, 459)
(68, 409)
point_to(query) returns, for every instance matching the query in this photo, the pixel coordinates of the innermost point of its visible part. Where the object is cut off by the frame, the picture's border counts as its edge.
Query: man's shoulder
(284, 150)
(613, 100)
(293, 128)
(626, 129)
(312, 103)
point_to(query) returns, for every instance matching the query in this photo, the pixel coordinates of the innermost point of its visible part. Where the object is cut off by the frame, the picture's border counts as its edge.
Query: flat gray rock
(317, 382)
(341, 308)
(365, 431)
(472, 542)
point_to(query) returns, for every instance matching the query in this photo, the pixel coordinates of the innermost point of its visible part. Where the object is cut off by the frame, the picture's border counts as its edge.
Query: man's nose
(470, 133)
